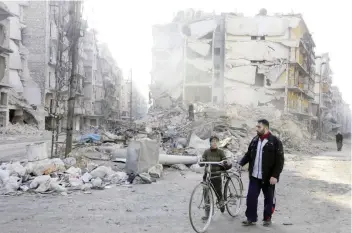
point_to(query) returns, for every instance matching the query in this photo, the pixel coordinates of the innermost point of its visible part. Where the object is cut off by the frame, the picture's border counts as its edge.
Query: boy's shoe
(222, 206)
(248, 223)
(267, 222)
(206, 216)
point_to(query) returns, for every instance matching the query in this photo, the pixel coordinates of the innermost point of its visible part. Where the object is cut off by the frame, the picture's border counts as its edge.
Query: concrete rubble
(165, 138)
(22, 129)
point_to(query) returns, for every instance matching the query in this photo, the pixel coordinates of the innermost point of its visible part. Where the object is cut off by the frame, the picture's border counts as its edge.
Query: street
(312, 196)
(14, 150)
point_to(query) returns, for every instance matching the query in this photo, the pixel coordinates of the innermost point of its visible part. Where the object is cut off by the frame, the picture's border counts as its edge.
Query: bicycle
(207, 197)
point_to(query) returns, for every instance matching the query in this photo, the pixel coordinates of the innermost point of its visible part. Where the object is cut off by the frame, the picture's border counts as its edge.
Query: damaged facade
(232, 59)
(20, 94)
(334, 113)
(96, 68)
(139, 105)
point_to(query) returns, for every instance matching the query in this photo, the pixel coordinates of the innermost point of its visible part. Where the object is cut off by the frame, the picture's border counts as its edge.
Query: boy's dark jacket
(215, 155)
(273, 157)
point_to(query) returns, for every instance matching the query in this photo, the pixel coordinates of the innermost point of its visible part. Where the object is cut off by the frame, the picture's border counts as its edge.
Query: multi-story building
(23, 98)
(45, 21)
(4, 60)
(139, 103)
(125, 102)
(102, 83)
(232, 59)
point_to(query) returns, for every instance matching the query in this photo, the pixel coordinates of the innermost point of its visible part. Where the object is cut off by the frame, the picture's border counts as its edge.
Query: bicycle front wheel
(233, 195)
(201, 207)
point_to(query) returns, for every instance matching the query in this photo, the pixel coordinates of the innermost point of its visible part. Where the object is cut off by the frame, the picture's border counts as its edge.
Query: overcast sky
(126, 28)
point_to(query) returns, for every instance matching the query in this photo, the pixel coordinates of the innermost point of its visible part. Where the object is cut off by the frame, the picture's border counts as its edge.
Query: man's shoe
(267, 223)
(222, 206)
(248, 223)
(205, 218)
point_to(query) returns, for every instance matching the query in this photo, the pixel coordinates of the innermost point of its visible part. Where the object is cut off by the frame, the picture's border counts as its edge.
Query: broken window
(2, 119)
(3, 99)
(259, 80)
(2, 34)
(217, 51)
(257, 37)
(49, 81)
(2, 67)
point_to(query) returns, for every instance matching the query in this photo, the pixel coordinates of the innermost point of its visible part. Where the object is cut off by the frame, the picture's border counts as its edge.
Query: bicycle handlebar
(212, 163)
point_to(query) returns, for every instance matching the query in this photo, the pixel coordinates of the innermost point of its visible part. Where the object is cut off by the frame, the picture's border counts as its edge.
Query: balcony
(78, 110)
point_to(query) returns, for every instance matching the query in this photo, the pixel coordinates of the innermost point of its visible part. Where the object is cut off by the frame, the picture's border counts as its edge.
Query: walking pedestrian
(339, 141)
(265, 156)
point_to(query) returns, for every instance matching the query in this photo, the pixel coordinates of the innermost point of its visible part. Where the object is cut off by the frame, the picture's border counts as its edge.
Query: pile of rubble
(22, 129)
(39, 174)
(235, 126)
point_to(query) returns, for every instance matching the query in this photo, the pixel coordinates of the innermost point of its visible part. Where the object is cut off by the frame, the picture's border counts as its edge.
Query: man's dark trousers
(255, 186)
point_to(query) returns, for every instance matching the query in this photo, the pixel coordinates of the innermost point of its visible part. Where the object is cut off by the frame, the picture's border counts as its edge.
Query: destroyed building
(47, 33)
(4, 59)
(335, 114)
(232, 59)
(139, 105)
(20, 93)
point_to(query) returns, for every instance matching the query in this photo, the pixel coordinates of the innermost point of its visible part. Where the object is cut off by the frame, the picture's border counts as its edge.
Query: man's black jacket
(272, 157)
(339, 137)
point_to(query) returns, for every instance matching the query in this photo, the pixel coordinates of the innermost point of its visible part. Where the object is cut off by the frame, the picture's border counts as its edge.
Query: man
(339, 140)
(214, 154)
(191, 112)
(265, 156)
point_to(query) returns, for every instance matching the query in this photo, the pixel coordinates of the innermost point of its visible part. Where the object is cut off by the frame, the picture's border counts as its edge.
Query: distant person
(339, 141)
(191, 112)
(265, 156)
(214, 154)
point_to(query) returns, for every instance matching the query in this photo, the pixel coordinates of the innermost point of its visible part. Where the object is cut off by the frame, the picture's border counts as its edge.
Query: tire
(204, 190)
(233, 193)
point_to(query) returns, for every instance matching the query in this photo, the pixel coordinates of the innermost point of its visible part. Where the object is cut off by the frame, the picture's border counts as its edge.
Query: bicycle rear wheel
(233, 195)
(201, 207)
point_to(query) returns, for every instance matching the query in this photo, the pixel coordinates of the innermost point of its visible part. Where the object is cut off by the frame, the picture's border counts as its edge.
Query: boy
(214, 154)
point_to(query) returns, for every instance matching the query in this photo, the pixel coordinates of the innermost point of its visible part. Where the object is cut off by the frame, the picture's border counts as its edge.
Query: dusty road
(15, 150)
(314, 196)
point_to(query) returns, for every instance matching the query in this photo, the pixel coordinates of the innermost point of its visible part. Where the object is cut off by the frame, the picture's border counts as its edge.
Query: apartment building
(125, 99)
(139, 103)
(232, 59)
(4, 59)
(102, 83)
(45, 21)
(20, 93)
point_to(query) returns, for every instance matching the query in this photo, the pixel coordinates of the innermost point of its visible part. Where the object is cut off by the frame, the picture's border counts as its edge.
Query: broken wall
(167, 68)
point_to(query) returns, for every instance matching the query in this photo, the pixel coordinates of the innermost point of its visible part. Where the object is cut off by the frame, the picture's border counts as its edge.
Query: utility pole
(131, 96)
(320, 130)
(287, 73)
(74, 35)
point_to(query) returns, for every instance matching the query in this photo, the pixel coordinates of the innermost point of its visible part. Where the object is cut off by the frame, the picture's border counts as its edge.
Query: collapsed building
(20, 94)
(230, 59)
(334, 113)
(47, 33)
